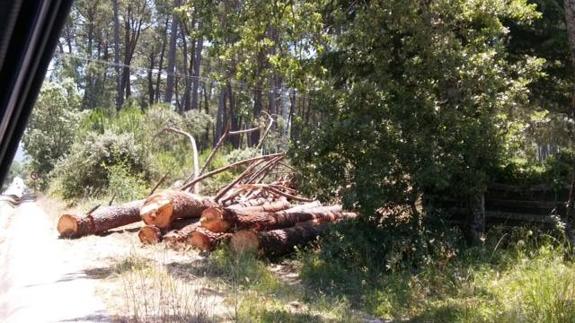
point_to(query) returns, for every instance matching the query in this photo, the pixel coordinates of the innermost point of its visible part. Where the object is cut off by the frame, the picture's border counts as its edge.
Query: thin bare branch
(220, 143)
(195, 154)
(271, 119)
(222, 169)
(245, 173)
(289, 196)
(158, 184)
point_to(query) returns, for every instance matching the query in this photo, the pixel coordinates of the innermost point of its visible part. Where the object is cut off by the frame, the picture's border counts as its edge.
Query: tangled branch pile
(250, 215)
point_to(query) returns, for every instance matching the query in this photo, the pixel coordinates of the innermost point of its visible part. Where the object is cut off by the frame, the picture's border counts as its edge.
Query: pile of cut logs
(268, 218)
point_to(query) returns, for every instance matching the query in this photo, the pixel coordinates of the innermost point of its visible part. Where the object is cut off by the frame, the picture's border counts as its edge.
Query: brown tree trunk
(234, 117)
(119, 95)
(99, 221)
(275, 242)
(163, 208)
(220, 115)
(268, 221)
(569, 7)
(161, 63)
(170, 80)
(196, 70)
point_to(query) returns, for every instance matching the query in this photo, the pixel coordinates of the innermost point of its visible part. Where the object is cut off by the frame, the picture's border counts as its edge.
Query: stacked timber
(269, 218)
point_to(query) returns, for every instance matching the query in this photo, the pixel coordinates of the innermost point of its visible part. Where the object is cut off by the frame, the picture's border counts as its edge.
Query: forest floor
(113, 278)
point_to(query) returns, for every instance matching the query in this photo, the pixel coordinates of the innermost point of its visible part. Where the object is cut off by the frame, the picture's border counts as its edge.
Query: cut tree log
(207, 240)
(226, 219)
(216, 213)
(223, 219)
(190, 182)
(177, 237)
(275, 242)
(215, 220)
(100, 220)
(163, 208)
(150, 234)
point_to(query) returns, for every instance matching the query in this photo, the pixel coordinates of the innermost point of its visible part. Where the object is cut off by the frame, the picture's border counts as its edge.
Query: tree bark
(275, 242)
(99, 221)
(255, 136)
(268, 221)
(152, 59)
(220, 115)
(170, 81)
(196, 71)
(119, 95)
(234, 119)
(569, 7)
(161, 63)
(186, 100)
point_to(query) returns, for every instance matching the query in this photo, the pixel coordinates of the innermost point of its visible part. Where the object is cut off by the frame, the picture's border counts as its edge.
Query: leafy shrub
(87, 168)
(412, 114)
(555, 170)
(352, 254)
(124, 185)
(52, 126)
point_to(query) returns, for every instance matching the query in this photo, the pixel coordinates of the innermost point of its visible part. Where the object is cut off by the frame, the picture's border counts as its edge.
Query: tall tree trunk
(292, 111)
(569, 6)
(161, 62)
(152, 58)
(196, 71)
(172, 57)
(87, 100)
(255, 136)
(125, 70)
(221, 115)
(187, 67)
(119, 94)
(234, 118)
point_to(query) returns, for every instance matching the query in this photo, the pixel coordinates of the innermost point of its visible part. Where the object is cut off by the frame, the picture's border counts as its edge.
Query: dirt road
(39, 280)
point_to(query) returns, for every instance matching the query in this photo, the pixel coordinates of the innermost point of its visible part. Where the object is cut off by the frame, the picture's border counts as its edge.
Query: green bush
(86, 170)
(124, 185)
(52, 126)
(516, 275)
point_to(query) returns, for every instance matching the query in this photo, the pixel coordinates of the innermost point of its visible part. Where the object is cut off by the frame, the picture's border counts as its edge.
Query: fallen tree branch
(245, 173)
(264, 169)
(289, 196)
(195, 154)
(268, 128)
(222, 169)
(220, 143)
(158, 184)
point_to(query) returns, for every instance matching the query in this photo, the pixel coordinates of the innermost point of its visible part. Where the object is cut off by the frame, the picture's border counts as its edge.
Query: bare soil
(47, 279)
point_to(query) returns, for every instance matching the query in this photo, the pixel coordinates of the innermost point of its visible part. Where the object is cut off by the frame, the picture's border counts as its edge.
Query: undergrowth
(516, 275)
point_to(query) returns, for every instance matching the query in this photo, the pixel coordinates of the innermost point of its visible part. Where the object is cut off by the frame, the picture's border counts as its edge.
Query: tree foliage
(53, 125)
(417, 100)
